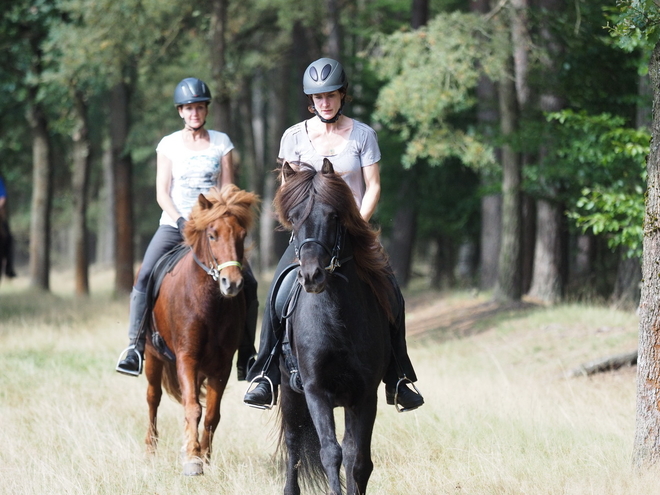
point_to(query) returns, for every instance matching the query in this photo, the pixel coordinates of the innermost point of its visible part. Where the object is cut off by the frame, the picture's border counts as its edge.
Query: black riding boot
(133, 359)
(265, 373)
(246, 350)
(400, 371)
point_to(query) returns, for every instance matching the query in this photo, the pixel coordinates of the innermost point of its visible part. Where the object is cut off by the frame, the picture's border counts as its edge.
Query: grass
(500, 415)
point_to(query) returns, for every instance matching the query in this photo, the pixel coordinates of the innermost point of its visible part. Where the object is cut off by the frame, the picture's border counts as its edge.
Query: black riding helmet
(191, 90)
(323, 76)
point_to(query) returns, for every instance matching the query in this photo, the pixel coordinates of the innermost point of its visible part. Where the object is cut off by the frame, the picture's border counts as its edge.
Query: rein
(214, 271)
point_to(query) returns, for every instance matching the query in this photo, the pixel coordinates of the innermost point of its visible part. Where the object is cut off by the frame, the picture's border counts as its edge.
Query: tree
(637, 24)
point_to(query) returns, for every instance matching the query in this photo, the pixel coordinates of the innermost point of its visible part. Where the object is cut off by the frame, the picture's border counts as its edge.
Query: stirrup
(404, 380)
(262, 376)
(124, 355)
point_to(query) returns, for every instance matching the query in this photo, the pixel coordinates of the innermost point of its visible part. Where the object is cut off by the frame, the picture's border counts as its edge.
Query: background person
(7, 238)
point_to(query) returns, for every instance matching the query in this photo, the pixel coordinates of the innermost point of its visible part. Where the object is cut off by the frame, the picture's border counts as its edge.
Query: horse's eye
(212, 237)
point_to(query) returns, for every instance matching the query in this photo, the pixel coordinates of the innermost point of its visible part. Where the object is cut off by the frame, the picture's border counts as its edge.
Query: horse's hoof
(193, 468)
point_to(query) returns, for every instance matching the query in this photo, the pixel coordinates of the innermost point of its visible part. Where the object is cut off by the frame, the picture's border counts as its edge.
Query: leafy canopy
(431, 75)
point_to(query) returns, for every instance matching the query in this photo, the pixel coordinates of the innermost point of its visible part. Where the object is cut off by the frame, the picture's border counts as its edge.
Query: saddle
(163, 266)
(283, 297)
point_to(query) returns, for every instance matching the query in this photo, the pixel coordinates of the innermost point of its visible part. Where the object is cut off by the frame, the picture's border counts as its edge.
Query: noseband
(335, 262)
(215, 268)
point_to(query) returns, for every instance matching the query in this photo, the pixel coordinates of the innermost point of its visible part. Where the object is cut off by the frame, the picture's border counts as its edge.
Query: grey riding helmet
(324, 75)
(191, 90)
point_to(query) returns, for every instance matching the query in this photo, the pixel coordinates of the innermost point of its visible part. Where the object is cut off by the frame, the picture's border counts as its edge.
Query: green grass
(500, 415)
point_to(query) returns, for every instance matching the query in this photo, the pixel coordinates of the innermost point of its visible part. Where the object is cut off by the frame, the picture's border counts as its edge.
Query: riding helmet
(324, 75)
(191, 90)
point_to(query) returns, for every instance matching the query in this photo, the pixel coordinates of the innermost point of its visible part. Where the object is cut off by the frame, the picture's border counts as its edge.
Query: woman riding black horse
(352, 147)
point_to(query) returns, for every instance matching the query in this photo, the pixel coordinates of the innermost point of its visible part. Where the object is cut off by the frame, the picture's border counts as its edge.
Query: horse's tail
(310, 469)
(170, 381)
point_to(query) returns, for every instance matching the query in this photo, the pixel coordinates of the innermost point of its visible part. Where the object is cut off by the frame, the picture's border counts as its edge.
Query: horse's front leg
(359, 422)
(153, 370)
(215, 388)
(321, 411)
(192, 411)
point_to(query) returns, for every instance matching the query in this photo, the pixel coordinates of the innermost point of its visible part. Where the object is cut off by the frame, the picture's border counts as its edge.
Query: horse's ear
(287, 170)
(204, 203)
(327, 167)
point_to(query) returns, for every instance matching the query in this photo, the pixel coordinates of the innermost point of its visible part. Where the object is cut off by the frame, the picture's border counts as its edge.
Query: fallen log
(605, 364)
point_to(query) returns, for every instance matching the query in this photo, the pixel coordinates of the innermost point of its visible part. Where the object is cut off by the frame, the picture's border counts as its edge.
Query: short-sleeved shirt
(361, 150)
(3, 190)
(194, 172)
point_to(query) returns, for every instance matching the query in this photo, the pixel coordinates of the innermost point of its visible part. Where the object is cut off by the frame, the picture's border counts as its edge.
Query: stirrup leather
(261, 377)
(403, 380)
(123, 356)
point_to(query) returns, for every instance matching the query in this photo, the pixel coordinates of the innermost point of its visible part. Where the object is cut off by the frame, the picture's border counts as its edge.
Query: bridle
(214, 270)
(334, 253)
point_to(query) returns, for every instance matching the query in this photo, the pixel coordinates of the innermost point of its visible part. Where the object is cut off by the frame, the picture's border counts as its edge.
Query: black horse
(338, 330)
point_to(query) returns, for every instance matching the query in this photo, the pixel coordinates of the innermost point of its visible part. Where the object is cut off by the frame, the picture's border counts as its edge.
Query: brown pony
(200, 314)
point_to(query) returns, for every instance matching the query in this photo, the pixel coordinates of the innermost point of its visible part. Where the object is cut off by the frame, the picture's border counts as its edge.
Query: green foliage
(635, 23)
(431, 74)
(608, 160)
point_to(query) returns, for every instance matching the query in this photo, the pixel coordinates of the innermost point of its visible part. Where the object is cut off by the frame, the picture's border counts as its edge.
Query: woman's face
(194, 114)
(327, 104)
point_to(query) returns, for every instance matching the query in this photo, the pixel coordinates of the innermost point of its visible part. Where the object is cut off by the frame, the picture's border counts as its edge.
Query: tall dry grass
(500, 418)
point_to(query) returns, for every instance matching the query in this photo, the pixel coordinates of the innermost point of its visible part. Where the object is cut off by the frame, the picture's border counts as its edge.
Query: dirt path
(451, 318)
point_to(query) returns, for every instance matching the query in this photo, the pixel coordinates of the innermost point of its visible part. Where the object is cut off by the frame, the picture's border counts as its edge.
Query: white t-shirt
(361, 150)
(194, 172)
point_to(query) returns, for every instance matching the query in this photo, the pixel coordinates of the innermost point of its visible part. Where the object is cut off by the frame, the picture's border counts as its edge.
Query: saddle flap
(282, 290)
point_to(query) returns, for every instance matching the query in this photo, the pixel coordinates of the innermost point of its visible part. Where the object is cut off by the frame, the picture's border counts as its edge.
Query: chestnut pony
(200, 314)
(338, 329)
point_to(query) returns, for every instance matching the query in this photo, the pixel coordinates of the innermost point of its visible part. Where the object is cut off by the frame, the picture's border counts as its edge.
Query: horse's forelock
(229, 201)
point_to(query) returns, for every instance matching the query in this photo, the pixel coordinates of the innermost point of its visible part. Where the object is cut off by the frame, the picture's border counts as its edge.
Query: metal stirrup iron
(124, 355)
(262, 376)
(404, 380)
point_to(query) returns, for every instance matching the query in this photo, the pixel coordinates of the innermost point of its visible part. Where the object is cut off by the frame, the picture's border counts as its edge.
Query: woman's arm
(371, 175)
(227, 175)
(163, 185)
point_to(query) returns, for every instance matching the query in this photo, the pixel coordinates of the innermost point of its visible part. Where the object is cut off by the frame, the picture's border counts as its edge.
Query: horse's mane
(329, 188)
(216, 203)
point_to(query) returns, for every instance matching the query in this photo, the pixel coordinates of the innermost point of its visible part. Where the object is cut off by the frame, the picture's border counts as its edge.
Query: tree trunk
(420, 13)
(509, 281)
(81, 147)
(491, 204)
(221, 99)
(404, 229)
(404, 226)
(646, 448)
(491, 231)
(42, 196)
(123, 181)
(333, 29)
(546, 282)
(626, 287)
(106, 228)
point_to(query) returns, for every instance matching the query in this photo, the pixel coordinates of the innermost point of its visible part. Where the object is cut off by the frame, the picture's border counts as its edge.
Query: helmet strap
(333, 119)
(195, 129)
